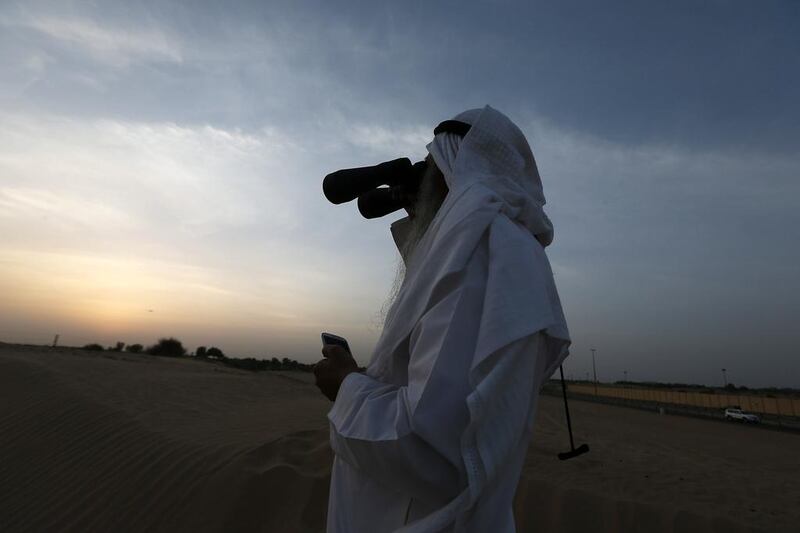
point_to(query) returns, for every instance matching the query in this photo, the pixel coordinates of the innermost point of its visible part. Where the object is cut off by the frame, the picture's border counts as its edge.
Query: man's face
(430, 196)
(432, 192)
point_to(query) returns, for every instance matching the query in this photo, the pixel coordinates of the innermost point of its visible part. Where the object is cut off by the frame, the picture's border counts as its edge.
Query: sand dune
(119, 442)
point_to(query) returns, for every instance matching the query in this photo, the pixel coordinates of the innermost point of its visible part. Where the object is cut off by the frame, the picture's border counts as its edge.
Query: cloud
(671, 260)
(112, 45)
(23, 202)
(380, 140)
(193, 180)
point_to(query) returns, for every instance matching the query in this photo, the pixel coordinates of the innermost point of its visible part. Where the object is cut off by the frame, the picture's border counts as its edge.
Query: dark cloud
(699, 75)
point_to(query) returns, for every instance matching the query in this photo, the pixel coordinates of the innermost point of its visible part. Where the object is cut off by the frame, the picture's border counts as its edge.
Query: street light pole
(594, 369)
(724, 378)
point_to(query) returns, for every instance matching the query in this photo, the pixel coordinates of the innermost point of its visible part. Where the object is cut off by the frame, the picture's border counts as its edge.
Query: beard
(432, 192)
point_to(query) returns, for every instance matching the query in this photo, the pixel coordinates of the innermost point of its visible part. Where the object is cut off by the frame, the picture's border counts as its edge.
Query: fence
(780, 406)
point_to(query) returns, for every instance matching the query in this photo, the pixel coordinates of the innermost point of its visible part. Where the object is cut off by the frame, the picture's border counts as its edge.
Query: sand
(117, 442)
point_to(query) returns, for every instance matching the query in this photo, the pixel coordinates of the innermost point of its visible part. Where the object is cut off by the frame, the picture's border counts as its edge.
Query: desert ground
(101, 441)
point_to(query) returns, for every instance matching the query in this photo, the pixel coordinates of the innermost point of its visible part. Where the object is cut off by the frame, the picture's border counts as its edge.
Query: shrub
(134, 348)
(215, 352)
(118, 348)
(170, 347)
(94, 347)
(201, 352)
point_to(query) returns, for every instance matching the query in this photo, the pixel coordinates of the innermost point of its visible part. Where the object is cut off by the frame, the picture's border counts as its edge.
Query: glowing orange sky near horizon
(99, 299)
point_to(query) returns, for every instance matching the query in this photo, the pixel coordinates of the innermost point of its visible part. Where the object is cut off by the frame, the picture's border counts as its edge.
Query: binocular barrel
(350, 183)
(368, 185)
(382, 201)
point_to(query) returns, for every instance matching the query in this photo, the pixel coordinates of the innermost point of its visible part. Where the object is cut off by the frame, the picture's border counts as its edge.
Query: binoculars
(387, 187)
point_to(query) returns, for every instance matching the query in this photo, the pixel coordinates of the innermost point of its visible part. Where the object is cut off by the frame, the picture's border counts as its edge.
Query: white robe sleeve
(409, 437)
(371, 431)
(395, 436)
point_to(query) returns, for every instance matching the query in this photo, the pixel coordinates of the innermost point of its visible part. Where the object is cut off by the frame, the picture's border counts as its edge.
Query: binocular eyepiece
(384, 188)
(381, 189)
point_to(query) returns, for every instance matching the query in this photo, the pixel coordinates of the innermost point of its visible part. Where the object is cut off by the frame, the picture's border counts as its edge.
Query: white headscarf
(495, 200)
(493, 186)
(497, 155)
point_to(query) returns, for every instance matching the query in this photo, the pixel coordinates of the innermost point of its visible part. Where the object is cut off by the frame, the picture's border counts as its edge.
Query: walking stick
(573, 451)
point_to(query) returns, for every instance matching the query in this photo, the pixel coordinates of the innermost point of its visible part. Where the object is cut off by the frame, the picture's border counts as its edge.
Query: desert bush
(201, 352)
(93, 347)
(215, 352)
(167, 347)
(134, 348)
(118, 347)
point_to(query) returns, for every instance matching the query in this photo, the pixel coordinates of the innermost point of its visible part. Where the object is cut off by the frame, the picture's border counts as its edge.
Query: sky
(161, 167)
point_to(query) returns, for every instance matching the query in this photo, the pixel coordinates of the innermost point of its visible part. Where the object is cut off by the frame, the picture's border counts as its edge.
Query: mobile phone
(330, 338)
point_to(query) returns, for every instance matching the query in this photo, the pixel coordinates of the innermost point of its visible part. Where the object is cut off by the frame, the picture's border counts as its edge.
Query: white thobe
(396, 432)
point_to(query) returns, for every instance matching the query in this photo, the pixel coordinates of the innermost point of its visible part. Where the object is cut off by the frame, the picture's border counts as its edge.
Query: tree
(118, 348)
(201, 352)
(215, 352)
(134, 348)
(93, 347)
(167, 347)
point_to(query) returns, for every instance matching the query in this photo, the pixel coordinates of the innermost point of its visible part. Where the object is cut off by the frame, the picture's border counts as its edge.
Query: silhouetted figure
(435, 431)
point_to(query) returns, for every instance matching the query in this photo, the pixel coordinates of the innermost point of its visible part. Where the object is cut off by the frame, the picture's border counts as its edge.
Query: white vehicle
(741, 416)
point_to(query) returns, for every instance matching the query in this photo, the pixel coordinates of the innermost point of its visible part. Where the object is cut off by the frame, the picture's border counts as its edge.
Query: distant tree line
(172, 347)
(693, 387)
(251, 363)
(730, 387)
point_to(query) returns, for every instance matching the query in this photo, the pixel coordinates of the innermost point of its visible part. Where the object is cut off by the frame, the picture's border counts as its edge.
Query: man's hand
(331, 371)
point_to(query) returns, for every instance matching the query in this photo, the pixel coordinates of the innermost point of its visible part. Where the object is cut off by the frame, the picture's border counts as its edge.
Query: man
(432, 436)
